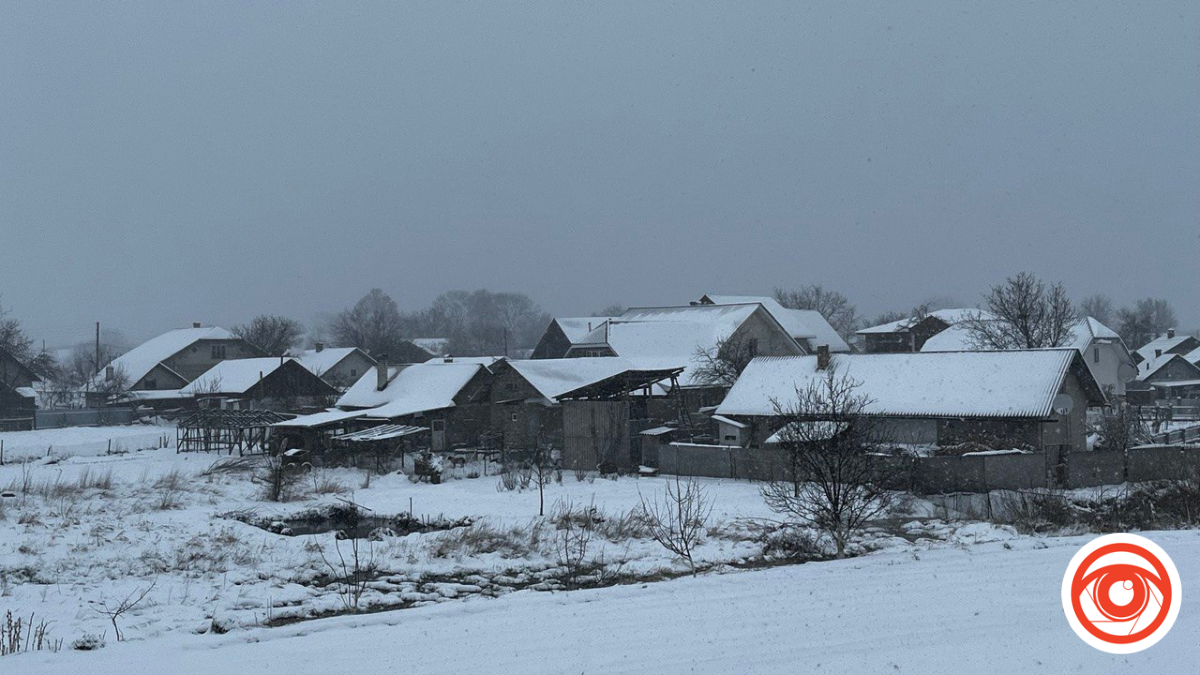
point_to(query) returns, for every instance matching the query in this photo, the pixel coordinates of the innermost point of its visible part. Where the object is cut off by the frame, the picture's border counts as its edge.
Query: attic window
(354, 372)
(1096, 354)
(218, 351)
(513, 417)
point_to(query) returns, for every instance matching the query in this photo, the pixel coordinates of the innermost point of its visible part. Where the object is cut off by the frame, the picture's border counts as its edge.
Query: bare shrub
(115, 610)
(352, 571)
(18, 635)
(277, 478)
(325, 485)
(483, 537)
(678, 518)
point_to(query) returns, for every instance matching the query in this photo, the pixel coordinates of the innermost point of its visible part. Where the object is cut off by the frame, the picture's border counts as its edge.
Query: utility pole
(97, 362)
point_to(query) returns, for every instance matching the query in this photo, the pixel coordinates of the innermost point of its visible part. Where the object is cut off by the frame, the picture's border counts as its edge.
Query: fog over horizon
(165, 164)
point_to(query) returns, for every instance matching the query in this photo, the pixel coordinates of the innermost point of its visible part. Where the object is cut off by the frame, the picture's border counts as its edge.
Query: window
(439, 425)
(1096, 354)
(752, 346)
(354, 372)
(218, 352)
(513, 417)
(510, 386)
(151, 383)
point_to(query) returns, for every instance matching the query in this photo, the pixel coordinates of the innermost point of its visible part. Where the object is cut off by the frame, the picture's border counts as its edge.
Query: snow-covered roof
(139, 361)
(419, 387)
(1161, 343)
(555, 377)
(487, 361)
(941, 384)
(802, 324)
(959, 338)
(950, 316)
(669, 337)
(576, 328)
(322, 418)
(318, 362)
(1148, 368)
(233, 376)
(436, 346)
(1193, 357)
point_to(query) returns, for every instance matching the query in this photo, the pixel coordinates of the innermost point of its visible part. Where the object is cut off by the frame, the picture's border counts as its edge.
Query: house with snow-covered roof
(563, 333)
(1102, 349)
(18, 400)
(451, 400)
(591, 408)
(910, 334)
(167, 363)
(809, 327)
(997, 399)
(272, 383)
(1167, 343)
(339, 366)
(666, 337)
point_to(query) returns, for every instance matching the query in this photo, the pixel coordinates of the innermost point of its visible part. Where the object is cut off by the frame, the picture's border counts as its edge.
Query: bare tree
(373, 324)
(274, 335)
(1099, 307)
(835, 307)
(1025, 314)
(483, 323)
(119, 608)
(678, 518)
(724, 363)
(831, 480)
(19, 345)
(353, 571)
(1145, 320)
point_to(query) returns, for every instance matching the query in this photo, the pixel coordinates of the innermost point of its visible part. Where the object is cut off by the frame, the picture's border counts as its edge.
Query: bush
(88, 642)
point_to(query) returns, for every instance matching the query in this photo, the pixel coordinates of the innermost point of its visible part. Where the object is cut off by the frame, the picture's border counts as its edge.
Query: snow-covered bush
(88, 642)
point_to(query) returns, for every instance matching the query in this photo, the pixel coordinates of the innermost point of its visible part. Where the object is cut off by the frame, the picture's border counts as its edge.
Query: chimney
(320, 346)
(195, 324)
(381, 372)
(1170, 333)
(1157, 353)
(448, 359)
(109, 373)
(822, 357)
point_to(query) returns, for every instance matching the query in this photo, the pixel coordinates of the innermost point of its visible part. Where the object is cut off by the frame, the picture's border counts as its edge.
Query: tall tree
(273, 334)
(373, 324)
(1146, 319)
(611, 310)
(1099, 307)
(1026, 314)
(835, 307)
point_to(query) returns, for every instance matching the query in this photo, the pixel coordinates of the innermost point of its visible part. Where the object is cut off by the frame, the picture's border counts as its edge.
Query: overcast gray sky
(168, 162)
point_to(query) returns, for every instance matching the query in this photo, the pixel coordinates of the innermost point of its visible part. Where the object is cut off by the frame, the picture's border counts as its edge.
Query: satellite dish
(1063, 404)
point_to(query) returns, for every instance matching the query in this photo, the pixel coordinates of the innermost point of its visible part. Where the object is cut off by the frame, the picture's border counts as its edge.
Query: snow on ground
(80, 441)
(977, 609)
(90, 529)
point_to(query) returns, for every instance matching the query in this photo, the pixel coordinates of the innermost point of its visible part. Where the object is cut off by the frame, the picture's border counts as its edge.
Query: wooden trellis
(246, 431)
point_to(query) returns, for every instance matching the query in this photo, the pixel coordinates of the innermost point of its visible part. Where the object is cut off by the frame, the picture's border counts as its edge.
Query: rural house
(264, 383)
(339, 366)
(1167, 377)
(808, 327)
(160, 367)
(667, 337)
(450, 400)
(18, 400)
(910, 335)
(1102, 350)
(563, 333)
(590, 408)
(940, 401)
(1168, 343)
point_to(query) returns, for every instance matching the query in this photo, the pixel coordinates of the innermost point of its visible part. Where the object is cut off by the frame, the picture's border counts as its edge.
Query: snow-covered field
(86, 531)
